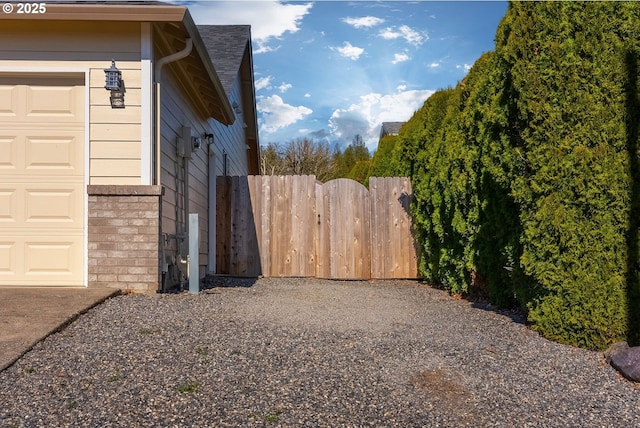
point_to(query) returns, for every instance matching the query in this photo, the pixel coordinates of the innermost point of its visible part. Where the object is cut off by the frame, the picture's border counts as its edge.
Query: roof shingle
(226, 45)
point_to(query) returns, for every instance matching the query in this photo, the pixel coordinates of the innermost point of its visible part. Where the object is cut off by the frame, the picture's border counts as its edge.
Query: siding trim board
(146, 137)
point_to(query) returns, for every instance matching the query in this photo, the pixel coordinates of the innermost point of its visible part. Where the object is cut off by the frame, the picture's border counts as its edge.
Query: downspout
(158, 73)
(157, 76)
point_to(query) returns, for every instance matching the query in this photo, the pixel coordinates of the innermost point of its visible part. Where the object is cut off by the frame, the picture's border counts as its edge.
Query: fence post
(194, 254)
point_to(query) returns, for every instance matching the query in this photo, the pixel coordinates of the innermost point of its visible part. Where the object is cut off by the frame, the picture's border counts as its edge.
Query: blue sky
(329, 70)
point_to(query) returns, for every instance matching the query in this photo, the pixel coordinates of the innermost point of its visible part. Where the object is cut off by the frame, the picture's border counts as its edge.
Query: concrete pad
(29, 314)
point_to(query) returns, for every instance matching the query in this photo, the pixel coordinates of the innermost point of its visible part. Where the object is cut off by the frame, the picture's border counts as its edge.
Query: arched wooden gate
(297, 226)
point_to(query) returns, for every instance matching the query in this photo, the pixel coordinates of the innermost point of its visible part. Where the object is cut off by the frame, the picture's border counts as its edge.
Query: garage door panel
(7, 258)
(8, 206)
(51, 102)
(53, 154)
(50, 205)
(8, 152)
(53, 206)
(44, 100)
(36, 261)
(40, 152)
(8, 101)
(41, 181)
(46, 258)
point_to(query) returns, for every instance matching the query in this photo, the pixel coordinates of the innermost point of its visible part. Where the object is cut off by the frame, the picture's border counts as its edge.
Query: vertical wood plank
(286, 244)
(266, 221)
(296, 249)
(239, 225)
(323, 268)
(255, 250)
(277, 216)
(378, 229)
(223, 224)
(310, 221)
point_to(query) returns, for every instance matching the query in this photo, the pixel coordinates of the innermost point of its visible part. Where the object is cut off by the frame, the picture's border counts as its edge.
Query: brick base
(124, 230)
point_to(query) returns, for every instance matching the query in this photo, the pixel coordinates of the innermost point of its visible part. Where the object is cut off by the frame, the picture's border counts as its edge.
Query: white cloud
(307, 95)
(466, 67)
(263, 83)
(400, 57)
(349, 51)
(434, 65)
(276, 114)
(365, 117)
(365, 21)
(401, 88)
(410, 35)
(269, 19)
(389, 34)
(285, 87)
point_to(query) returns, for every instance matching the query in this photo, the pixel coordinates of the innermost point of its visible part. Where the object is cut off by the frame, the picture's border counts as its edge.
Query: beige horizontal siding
(124, 181)
(115, 149)
(106, 114)
(114, 134)
(115, 167)
(115, 131)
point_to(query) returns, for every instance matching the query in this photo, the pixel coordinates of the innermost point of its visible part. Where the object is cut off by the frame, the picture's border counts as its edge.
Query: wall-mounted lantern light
(208, 138)
(114, 84)
(113, 77)
(236, 108)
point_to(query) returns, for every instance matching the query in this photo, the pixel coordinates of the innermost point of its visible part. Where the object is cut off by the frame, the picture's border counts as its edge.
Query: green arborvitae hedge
(525, 176)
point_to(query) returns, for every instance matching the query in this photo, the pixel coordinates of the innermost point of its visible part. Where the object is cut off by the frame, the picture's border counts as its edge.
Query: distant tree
(360, 172)
(307, 157)
(345, 161)
(382, 164)
(298, 157)
(271, 160)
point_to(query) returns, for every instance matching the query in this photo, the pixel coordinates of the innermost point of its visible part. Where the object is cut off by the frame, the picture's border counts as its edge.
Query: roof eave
(140, 13)
(105, 12)
(227, 111)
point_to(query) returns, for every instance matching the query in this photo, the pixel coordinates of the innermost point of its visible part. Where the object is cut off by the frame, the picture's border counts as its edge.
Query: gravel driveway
(306, 352)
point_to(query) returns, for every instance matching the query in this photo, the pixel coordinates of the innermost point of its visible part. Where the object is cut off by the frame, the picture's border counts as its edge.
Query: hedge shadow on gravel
(216, 281)
(516, 315)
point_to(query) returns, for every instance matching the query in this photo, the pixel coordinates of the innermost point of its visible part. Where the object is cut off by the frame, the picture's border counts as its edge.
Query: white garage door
(41, 180)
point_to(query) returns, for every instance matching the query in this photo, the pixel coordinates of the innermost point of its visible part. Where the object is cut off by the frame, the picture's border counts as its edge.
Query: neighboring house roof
(390, 128)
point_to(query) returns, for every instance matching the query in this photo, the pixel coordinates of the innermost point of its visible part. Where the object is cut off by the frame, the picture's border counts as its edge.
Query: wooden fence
(297, 226)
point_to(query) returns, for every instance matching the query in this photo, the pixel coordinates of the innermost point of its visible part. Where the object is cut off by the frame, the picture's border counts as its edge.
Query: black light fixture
(114, 84)
(113, 77)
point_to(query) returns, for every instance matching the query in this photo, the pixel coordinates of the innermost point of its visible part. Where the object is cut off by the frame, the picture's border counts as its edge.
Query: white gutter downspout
(158, 78)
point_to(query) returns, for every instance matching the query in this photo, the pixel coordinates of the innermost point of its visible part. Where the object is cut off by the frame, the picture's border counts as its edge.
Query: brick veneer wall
(124, 231)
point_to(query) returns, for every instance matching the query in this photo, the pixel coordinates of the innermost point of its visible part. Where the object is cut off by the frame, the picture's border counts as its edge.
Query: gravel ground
(305, 352)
